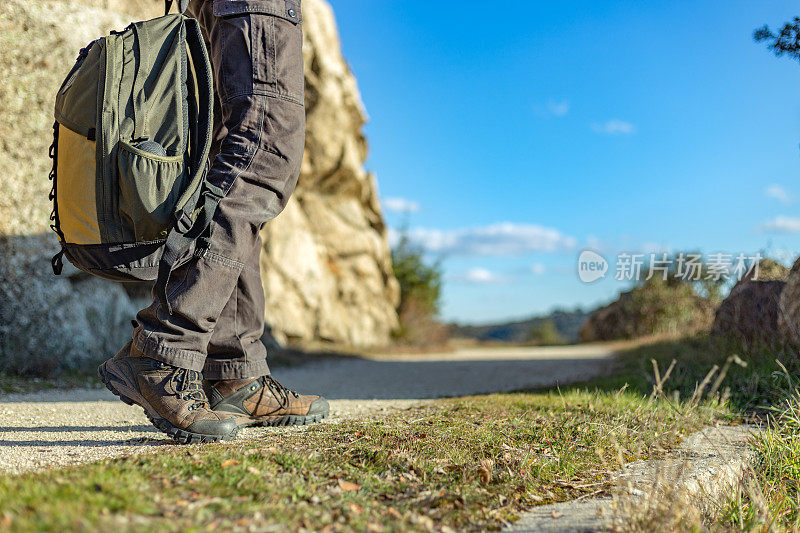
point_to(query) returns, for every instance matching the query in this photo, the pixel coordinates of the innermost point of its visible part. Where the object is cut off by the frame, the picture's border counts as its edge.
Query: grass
(11, 384)
(469, 463)
(754, 383)
(770, 497)
(762, 385)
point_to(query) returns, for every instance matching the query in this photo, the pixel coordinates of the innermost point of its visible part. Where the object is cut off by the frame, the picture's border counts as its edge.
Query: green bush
(545, 333)
(669, 303)
(420, 295)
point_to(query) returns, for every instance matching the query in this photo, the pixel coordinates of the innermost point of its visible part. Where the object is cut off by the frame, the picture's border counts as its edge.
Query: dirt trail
(62, 428)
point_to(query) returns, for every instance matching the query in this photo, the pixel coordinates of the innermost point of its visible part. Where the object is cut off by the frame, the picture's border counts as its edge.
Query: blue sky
(513, 135)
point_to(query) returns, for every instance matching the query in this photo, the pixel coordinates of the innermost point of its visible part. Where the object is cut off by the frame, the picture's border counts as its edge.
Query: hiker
(200, 371)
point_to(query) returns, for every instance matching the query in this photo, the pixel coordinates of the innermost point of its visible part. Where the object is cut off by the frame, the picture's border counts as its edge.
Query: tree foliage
(545, 333)
(418, 280)
(420, 294)
(785, 41)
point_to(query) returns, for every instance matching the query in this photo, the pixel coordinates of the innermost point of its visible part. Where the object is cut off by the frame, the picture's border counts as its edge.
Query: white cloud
(614, 127)
(538, 269)
(504, 238)
(777, 192)
(480, 276)
(553, 108)
(558, 109)
(400, 205)
(782, 224)
(594, 242)
(393, 236)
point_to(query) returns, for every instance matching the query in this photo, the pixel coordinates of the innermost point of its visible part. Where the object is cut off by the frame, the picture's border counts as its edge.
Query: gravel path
(460, 373)
(61, 428)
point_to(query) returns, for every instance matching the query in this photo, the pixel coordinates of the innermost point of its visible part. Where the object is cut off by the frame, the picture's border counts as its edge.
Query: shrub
(672, 303)
(545, 333)
(420, 295)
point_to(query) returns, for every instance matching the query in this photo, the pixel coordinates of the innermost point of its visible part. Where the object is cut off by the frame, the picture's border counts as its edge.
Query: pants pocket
(286, 40)
(261, 48)
(233, 56)
(150, 186)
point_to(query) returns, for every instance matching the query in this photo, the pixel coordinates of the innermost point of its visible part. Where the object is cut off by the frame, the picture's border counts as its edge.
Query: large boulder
(751, 311)
(326, 266)
(47, 324)
(327, 269)
(789, 307)
(609, 322)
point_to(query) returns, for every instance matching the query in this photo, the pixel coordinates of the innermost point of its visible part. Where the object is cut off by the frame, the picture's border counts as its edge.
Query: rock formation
(751, 312)
(326, 267)
(789, 307)
(609, 322)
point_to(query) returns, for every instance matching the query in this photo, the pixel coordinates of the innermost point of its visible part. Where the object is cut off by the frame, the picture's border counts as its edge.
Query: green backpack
(130, 153)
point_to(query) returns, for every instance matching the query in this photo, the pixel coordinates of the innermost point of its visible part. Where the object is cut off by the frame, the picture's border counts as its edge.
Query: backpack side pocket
(150, 186)
(75, 194)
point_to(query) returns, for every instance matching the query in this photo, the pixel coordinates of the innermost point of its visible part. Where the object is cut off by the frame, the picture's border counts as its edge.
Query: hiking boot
(264, 402)
(172, 398)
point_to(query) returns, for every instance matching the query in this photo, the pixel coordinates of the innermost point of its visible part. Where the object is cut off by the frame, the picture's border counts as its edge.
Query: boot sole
(131, 397)
(274, 421)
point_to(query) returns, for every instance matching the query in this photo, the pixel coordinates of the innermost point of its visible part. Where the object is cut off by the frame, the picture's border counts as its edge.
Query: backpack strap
(182, 5)
(197, 205)
(140, 111)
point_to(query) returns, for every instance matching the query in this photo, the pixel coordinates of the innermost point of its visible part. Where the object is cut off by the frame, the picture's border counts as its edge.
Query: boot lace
(280, 392)
(188, 385)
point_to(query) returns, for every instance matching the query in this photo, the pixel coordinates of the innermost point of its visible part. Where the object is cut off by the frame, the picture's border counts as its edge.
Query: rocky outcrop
(751, 312)
(47, 323)
(789, 307)
(609, 322)
(758, 309)
(326, 269)
(326, 264)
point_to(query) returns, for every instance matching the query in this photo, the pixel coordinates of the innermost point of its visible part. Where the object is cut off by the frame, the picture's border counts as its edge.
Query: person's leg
(233, 338)
(236, 377)
(257, 62)
(258, 78)
(235, 350)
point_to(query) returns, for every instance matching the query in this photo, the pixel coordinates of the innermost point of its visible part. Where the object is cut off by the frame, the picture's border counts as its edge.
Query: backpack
(130, 153)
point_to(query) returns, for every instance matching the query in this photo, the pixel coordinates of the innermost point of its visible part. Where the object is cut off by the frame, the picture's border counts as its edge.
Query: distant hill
(567, 324)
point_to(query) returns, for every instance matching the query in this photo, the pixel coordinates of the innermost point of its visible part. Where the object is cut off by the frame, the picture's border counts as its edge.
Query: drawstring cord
(56, 262)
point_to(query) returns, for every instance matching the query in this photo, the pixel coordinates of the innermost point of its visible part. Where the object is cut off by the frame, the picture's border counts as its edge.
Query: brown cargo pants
(217, 299)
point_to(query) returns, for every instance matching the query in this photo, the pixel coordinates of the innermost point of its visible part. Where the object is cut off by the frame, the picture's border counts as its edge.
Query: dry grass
(761, 383)
(769, 499)
(419, 327)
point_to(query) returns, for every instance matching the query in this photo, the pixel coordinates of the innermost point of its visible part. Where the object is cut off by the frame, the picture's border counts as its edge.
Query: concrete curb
(701, 472)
